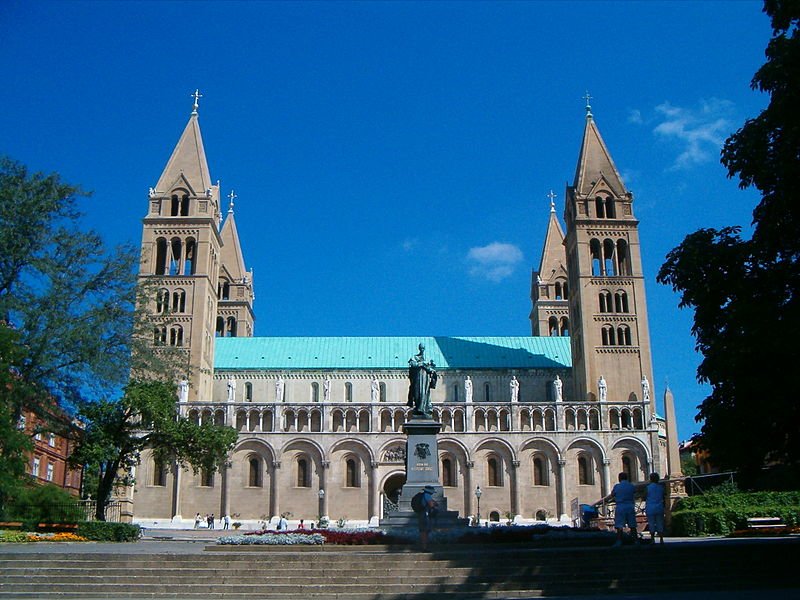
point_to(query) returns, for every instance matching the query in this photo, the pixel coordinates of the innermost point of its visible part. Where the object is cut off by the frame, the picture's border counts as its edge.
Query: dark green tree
(746, 292)
(145, 417)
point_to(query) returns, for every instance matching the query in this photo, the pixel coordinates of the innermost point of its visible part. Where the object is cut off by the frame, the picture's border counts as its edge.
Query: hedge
(103, 531)
(724, 513)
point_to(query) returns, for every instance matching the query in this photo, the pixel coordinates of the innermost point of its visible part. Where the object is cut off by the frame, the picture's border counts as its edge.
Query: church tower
(235, 317)
(181, 254)
(608, 310)
(549, 286)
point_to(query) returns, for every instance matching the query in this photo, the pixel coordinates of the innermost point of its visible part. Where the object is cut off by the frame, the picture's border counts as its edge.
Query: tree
(746, 292)
(145, 416)
(69, 298)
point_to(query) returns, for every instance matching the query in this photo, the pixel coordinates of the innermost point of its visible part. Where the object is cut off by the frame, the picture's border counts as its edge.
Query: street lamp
(478, 493)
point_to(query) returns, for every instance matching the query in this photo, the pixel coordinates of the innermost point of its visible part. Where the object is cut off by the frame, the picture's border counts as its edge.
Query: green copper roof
(310, 353)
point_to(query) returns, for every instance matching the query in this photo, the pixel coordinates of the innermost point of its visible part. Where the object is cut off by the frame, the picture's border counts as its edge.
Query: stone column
(515, 487)
(176, 492)
(225, 505)
(374, 492)
(606, 477)
(323, 478)
(562, 488)
(275, 494)
(468, 489)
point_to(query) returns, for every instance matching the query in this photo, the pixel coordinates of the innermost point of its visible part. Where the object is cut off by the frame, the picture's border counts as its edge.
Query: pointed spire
(197, 95)
(232, 259)
(554, 256)
(595, 162)
(673, 452)
(232, 196)
(188, 161)
(587, 97)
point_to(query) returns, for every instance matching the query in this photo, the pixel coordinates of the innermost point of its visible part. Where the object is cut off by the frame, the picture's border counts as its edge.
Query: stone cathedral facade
(540, 423)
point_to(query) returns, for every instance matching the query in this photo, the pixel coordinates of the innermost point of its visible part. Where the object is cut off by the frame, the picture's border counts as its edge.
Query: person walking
(654, 509)
(625, 513)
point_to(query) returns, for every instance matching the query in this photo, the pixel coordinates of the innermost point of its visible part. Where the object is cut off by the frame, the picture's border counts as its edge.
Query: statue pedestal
(422, 468)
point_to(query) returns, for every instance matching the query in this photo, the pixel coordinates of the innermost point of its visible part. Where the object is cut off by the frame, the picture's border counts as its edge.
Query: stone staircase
(388, 573)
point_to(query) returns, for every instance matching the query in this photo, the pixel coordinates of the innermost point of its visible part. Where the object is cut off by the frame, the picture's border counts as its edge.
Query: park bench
(10, 525)
(765, 523)
(57, 527)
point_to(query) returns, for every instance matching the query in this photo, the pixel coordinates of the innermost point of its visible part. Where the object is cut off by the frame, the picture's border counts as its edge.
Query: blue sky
(392, 160)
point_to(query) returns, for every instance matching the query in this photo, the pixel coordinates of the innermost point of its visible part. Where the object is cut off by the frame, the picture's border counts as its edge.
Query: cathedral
(532, 426)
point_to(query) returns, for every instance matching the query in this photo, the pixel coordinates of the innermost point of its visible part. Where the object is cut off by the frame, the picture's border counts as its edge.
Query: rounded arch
(541, 444)
(586, 443)
(356, 446)
(305, 445)
(498, 445)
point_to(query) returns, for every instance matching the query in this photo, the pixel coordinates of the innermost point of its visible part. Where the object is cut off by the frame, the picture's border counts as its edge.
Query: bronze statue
(422, 379)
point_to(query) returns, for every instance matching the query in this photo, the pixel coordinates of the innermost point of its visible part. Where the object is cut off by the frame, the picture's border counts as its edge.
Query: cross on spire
(197, 95)
(552, 197)
(232, 197)
(587, 97)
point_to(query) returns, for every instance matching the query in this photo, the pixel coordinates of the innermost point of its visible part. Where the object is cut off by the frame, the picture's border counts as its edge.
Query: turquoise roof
(369, 353)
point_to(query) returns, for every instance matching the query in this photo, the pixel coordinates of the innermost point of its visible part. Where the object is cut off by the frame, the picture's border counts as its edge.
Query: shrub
(13, 537)
(103, 531)
(44, 504)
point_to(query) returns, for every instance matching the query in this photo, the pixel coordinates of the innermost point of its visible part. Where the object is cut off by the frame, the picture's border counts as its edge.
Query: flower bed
(22, 536)
(341, 537)
(273, 539)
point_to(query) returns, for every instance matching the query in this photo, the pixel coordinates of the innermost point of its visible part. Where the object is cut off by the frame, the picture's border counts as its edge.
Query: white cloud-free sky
(392, 160)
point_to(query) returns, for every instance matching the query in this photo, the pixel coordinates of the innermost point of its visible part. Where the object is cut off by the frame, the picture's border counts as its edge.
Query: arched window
(600, 207)
(161, 257)
(189, 262)
(230, 329)
(184, 205)
(206, 478)
(162, 301)
(541, 515)
(565, 290)
(352, 479)
(382, 392)
(621, 302)
(624, 335)
(303, 473)
(494, 516)
(175, 209)
(314, 391)
(564, 326)
(160, 336)
(611, 213)
(605, 301)
(176, 335)
(254, 480)
(609, 261)
(495, 474)
(176, 253)
(159, 473)
(220, 330)
(455, 392)
(628, 467)
(552, 326)
(448, 473)
(596, 257)
(248, 391)
(609, 338)
(179, 301)
(585, 476)
(623, 258)
(540, 471)
(348, 392)
(487, 392)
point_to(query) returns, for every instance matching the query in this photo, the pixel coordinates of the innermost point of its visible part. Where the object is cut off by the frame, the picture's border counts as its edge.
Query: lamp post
(478, 493)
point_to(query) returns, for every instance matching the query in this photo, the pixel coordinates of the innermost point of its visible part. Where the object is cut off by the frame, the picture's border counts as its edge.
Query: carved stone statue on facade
(558, 386)
(374, 390)
(231, 389)
(422, 379)
(468, 388)
(645, 389)
(602, 388)
(514, 388)
(183, 390)
(326, 390)
(280, 386)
